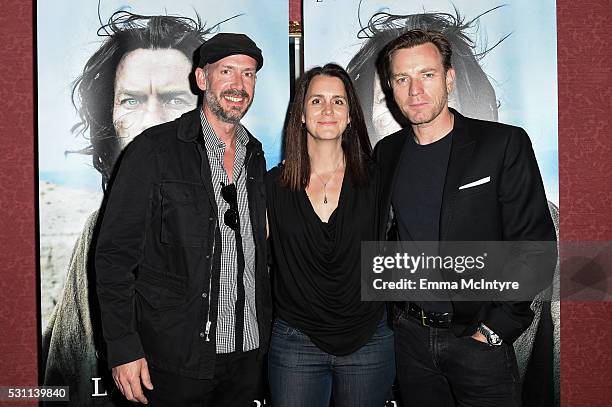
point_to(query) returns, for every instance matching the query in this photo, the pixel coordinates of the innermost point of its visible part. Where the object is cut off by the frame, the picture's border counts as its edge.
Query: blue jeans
(302, 375)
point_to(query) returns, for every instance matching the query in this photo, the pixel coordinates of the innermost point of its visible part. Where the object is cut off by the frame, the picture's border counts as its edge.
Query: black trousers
(435, 368)
(237, 383)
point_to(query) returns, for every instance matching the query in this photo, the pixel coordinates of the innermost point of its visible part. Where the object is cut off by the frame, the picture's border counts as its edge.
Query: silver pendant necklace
(325, 183)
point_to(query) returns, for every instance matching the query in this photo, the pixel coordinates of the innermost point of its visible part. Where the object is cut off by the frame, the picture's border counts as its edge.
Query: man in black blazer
(450, 178)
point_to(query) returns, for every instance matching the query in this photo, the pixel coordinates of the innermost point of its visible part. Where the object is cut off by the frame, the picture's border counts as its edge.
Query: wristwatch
(493, 339)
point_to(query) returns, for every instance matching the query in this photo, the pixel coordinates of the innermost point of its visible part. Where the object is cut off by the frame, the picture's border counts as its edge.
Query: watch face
(494, 340)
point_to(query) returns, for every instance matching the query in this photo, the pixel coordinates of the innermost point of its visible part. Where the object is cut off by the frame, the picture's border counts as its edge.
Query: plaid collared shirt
(226, 320)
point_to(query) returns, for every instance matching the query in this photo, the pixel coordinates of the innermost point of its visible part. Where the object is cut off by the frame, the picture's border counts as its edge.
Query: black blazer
(512, 206)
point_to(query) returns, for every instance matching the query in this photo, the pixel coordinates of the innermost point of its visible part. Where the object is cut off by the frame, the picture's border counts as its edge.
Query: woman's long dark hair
(355, 141)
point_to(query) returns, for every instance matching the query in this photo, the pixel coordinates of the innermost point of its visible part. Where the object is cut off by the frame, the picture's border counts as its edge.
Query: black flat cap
(225, 44)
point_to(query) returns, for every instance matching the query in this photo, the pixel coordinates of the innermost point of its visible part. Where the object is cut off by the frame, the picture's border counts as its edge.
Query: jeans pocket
(281, 328)
(486, 365)
(485, 345)
(383, 330)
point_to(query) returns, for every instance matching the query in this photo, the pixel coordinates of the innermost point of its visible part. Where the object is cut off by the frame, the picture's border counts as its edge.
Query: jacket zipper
(208, 322)
(212, 260)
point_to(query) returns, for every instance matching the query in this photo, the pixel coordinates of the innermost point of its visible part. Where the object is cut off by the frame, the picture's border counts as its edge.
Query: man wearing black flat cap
(181, 273)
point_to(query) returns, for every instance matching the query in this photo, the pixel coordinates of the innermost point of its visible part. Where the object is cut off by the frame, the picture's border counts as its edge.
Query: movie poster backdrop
(93, 98)
(505, 59)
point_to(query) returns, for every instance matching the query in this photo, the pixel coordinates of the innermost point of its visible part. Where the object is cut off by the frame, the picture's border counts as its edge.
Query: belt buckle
(424, 319)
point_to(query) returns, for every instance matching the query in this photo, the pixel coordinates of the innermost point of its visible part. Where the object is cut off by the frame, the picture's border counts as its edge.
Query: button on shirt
(226, 320)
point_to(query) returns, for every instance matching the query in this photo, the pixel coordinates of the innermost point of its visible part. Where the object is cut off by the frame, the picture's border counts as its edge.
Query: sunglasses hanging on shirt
(230, 217)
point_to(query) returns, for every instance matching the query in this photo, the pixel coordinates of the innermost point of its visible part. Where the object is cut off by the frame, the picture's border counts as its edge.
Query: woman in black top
(321, 204)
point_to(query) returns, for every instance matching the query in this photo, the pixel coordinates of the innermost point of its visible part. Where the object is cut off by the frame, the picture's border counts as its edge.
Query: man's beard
(232, 115)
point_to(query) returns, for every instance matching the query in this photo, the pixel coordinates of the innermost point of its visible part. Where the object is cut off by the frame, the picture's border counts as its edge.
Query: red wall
(18, 292)
(585, 167)
(295, 10)
(585, 190)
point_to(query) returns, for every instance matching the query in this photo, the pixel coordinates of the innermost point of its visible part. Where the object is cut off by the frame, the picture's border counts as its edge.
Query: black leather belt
(425, 318)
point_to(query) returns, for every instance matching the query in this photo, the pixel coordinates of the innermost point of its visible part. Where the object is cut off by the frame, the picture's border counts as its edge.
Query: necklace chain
(325, 183)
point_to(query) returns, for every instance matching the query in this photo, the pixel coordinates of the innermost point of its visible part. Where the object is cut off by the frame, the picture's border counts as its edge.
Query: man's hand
(128, 376)
(479, 337)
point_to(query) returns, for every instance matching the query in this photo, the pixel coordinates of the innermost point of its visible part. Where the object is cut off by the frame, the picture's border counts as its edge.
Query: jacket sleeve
(385, 219)
(119, 250)
(526, 220)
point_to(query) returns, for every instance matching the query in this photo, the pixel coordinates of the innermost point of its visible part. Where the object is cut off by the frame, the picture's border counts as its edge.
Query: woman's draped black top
(316, 266)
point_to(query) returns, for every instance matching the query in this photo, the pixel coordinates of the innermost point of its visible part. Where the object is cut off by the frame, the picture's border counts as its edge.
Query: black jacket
(158, 252)
(512, 206)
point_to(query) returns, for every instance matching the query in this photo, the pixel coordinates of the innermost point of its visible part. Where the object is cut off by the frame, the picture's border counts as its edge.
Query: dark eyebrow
(234, 67)
(420, 71)
(132, 94)
(175, 93)
(333, 96)
(166, 94)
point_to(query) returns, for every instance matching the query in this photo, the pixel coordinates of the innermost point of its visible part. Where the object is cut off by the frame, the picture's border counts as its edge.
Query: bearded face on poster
(140, 76)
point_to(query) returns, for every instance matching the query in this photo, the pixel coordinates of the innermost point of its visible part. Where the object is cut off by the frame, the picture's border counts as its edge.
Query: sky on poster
(66, 38)
(522, 69)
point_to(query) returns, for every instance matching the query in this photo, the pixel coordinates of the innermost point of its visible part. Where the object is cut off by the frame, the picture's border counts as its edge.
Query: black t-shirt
(316, 265)
(417, 196)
